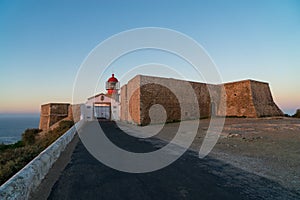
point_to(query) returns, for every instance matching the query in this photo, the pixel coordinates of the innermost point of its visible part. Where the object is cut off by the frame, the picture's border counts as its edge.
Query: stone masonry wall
(52, 113)
(174, 95)
(124, 103)
(58, 112)
(203, 97)
(239, 99)
(74, 112)
(133, 100)
(155, 90)
(263, 100)
(152, 94)
(44, 117)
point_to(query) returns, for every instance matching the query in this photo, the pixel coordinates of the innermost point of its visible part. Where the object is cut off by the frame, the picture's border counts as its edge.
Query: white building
(104, 106)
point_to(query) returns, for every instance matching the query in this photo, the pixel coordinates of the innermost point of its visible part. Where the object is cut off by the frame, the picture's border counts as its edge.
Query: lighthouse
(112, 87)
(104, 106)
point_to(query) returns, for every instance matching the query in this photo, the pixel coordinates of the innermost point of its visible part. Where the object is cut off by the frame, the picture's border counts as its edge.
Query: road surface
(84, 177)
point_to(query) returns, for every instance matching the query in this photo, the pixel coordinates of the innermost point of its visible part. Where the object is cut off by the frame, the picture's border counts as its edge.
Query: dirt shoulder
(268, 147)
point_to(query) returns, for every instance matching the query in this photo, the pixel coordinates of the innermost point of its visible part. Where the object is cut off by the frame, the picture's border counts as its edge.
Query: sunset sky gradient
(43, 43)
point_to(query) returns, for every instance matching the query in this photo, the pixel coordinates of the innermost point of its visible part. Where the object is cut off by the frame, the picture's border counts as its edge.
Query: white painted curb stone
(29, 178)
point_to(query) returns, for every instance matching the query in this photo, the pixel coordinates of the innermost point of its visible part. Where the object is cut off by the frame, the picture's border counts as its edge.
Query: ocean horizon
(13, 125)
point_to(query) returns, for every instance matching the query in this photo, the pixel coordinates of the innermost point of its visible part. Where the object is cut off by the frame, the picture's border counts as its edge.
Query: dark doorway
(102, 112)
(213, 108)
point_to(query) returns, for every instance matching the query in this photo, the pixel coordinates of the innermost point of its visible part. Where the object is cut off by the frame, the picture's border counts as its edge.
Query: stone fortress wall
(131, 90)
(250, 98)
(263, 100)
(52, 113)
(246, 98)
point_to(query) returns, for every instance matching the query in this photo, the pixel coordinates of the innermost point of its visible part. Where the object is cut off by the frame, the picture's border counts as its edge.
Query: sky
(44, 43)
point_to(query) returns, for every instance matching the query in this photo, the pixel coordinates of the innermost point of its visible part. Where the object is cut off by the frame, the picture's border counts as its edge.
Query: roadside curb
(28, 178)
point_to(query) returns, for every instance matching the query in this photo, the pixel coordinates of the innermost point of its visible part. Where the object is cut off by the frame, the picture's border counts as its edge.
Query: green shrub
(11, 146)
(14, 157)
(28, 137)
(65, 125)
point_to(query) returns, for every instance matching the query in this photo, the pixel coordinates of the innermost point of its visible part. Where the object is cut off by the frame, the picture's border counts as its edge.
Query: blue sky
(43, 43)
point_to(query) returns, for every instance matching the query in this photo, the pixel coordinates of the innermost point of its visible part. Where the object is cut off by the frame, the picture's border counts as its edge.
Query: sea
(13, 125)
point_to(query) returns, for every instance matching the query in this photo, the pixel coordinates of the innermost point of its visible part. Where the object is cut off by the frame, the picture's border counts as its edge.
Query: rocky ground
(268, 147)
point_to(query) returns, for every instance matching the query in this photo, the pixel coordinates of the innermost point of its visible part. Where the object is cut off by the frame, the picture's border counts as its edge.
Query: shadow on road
(187, 178)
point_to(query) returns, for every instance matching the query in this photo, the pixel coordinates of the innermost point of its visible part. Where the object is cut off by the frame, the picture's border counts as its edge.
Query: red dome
(112, 79)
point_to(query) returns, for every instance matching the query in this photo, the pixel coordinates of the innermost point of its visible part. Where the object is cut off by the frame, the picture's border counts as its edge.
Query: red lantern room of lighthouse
(112, 86)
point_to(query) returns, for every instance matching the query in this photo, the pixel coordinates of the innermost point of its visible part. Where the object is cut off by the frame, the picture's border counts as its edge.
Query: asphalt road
(189, 177)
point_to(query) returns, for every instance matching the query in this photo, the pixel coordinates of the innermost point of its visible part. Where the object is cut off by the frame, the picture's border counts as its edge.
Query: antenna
(112, 70)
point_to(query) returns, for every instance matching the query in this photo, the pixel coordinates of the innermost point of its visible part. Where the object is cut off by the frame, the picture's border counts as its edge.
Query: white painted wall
(102, 99)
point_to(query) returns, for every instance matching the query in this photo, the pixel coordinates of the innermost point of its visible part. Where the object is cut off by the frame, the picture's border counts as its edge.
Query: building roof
(113, 78)
(97, 95)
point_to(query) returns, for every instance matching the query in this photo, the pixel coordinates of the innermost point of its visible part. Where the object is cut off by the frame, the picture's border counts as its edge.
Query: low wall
(28, 179)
